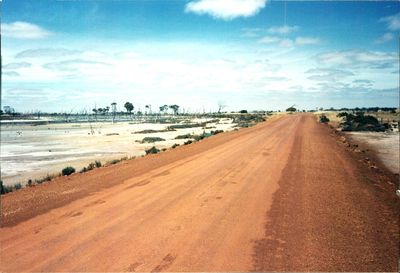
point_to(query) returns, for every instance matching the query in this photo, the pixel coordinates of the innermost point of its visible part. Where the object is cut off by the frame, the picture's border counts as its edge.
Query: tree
(163, 108)
(148, 106)
(221, 106)
(114, 110)
(95, 113)
(291, 109)
(129, 107)
(174, 108)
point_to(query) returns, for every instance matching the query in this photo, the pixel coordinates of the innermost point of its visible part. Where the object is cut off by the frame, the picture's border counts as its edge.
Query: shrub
(323, 119)
(4, 189)
(43, 179)
(114, 161)
(247, 120)
(30, 182)
(152, 139)
(83, 170)
(174, 146)
(97, 163)
(184, 136)
(291, 109)
(150, 131)
(188, 142)
(9, 188)
(243, 112)
(68, 170)
(216, 132)
(90, 166)
(152, 150)
(183, 126)
(361, 122)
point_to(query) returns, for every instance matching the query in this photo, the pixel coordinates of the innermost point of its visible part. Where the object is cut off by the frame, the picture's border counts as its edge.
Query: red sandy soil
(285, 195)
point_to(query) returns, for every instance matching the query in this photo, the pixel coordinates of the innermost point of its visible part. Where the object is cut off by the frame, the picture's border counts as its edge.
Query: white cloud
(269, 40)
(17, 65)
(46, 53)
(385, 38)
(23, 30)
(74, 65)
(328, 74)
(392, 22)
(307, 41)
(11, 74)
(283, 29)
(251, 32)
(226, 9)
(287, 42)
(359, 59)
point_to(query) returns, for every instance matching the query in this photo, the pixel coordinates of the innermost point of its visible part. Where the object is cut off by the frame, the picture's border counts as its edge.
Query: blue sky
(253, 54)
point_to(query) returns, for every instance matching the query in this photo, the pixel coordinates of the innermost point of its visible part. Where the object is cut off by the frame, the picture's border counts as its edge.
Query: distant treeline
(363, 109)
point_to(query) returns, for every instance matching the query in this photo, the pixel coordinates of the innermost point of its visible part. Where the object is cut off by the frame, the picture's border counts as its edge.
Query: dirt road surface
(284, 195)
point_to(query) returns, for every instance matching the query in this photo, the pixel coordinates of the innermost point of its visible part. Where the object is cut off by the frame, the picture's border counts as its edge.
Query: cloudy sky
(250, 54)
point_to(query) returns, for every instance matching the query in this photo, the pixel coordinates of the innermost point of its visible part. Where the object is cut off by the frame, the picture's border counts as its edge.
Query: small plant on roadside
(114, 161)
(152, 150)
(188, 142)
(175, 145)
(5, 188)
(91, 166)
(68, 170)
(323, 119)
(97, 163)
(184, 136)
(43, 179)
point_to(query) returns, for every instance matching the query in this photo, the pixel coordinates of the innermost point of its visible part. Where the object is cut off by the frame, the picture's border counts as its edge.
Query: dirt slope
(283, 195)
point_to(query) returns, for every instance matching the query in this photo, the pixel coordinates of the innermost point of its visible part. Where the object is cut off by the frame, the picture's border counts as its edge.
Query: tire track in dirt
(252, 199)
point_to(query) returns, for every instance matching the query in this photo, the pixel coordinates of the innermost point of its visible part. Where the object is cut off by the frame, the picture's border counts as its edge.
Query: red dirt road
(281, 196)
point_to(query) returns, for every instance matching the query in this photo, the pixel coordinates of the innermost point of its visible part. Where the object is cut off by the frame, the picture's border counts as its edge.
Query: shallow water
(30, 152)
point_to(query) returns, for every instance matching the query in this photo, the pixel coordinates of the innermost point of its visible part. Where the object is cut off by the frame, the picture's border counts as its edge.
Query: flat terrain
(284, 195)
(385, 144)
(33, 151)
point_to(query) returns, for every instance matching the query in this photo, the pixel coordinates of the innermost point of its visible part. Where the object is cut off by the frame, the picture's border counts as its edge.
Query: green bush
(323, 119)
(91, 166)
(152, 139)
(184, 126)
(114, 161)
(150, 131)
(68, 170)
(97, 163)
(6, 189)
(43, 179)
(188, 142)
(361, 122)
(152, 150)
(184, 136)
(175, 145)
